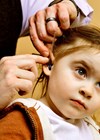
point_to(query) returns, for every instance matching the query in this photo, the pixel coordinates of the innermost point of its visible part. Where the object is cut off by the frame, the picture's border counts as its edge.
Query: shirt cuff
(84, 7)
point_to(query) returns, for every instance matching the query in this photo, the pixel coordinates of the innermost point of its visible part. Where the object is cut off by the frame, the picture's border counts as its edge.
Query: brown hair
(73, 39)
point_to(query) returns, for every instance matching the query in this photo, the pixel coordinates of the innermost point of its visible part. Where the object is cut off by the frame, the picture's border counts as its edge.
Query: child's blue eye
(82, 72)
(98, 84)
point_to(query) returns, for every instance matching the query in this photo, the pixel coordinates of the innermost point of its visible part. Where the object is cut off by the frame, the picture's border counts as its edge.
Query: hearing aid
(50, 65)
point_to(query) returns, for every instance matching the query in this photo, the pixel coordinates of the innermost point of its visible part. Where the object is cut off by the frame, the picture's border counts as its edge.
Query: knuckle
(58, 5)
(33, 37)
(52, 28)
(42, 35)
(31, 58)
(7, 62)
(30, 20)
(48, 9)
(9, 82)
(64, 18)
(38, 14)
(3, 59)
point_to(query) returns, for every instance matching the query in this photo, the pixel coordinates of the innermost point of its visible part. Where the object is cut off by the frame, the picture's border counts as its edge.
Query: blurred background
(24, 46)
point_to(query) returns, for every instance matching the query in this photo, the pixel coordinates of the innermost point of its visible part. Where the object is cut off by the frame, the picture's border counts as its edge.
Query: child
(71, 93)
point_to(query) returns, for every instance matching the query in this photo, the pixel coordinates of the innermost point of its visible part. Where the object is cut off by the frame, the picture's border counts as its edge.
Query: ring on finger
(51, 19)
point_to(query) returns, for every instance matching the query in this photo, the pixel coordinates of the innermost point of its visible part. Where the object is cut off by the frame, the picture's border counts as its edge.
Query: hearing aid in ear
(49, 65)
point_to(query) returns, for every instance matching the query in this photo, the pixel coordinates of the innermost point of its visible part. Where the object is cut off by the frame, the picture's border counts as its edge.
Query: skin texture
(74, 84)
(41, 32)
(17, 75)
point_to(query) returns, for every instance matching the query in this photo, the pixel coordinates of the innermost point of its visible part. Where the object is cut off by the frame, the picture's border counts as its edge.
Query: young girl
(71, 93)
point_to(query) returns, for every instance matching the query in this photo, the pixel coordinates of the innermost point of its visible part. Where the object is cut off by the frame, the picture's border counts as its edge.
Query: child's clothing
(30, 119)
(61, 127)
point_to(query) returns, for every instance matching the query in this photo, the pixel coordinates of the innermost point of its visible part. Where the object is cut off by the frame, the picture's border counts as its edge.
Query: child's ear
(47, 69)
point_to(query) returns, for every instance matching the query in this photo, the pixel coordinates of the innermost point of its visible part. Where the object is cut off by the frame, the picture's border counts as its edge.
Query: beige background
(25, 46)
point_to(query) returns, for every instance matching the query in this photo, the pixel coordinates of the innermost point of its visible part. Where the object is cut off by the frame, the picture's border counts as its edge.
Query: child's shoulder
(25, 121)
(29, 102)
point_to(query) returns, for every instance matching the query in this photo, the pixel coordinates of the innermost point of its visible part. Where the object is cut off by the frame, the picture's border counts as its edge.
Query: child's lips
(80, 103)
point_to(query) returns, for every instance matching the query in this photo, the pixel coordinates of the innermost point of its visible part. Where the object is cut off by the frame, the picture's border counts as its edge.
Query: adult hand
(42, 32)
(17, 74)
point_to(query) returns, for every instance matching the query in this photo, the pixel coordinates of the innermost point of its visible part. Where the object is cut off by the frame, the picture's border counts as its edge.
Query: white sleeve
(84, 16)
(29, 8)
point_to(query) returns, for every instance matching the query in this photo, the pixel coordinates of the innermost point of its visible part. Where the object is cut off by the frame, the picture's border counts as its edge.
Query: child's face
(74, 85)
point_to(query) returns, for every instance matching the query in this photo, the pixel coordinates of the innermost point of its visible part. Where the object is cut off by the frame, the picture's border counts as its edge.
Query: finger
(63, 16)
(30, 61)
(23, 86)
(38, 44)
(23, 61)
(15, 72)
(12, 85)
(41, 27)
(28, 78)
(25, 74)
(20, 80)
(52, 26)
(66, 13)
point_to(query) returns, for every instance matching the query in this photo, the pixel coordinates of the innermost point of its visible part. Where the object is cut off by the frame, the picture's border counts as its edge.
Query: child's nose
(86, 91)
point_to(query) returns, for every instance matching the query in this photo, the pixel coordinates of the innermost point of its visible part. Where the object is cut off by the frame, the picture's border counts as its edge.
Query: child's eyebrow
(87, 64)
